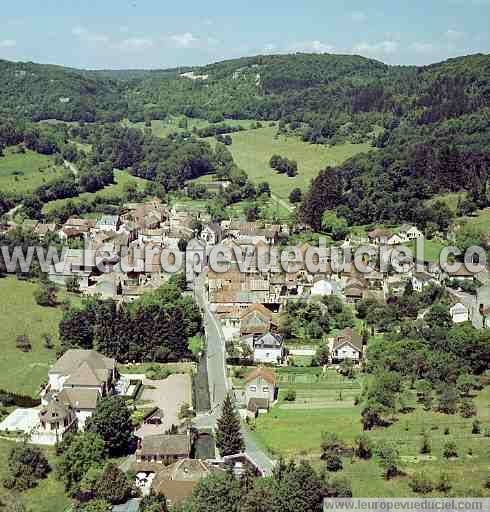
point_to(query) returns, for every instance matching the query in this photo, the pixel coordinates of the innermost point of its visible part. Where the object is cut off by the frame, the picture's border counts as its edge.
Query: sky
(149, 34)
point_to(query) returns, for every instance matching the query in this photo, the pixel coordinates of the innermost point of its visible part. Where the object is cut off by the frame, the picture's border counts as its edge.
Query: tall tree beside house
(112, 421)
(84, 451)
(113, 485)
(229, 438)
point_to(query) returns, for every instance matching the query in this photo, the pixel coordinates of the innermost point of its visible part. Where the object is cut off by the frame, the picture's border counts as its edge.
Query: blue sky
(159, 34)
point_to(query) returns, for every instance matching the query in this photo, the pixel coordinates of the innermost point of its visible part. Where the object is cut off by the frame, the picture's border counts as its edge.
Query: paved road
(218, 382)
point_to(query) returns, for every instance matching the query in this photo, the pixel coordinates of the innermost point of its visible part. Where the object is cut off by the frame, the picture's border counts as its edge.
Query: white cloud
(311, 47)
(8, 43)
(185, 40)
(135, 44)
(423, 48)
(454, 35)
(270, 47)
(91, 37)
(376, 49)
(358, 16)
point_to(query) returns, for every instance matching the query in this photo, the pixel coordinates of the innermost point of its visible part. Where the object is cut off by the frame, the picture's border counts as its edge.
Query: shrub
(333, 461)
(426, 446)
(446, 431)
(444, 483)
(476, 427)
(421, 483)
(486, 484)
(290, 395)
(23, 343)
(26, 466)
(450, 450)
(363, 448)
(467, 408)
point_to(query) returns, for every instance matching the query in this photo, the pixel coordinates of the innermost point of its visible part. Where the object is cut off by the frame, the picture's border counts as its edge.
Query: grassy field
(23, 372)
(24, 172)
(253, 149)
(48, 496)
(451, 199)
(171, 125)
(112, 191)
(481, 221)
(294, 430)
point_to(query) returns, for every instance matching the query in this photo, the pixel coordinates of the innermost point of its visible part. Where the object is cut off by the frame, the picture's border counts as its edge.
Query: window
(265, 389)
(253, 389)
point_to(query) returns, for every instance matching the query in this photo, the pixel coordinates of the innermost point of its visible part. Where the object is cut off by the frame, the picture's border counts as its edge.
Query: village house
(78, 380)
(107, 223)
(461, 274)
(256, 319)
(384, 237)
(212, 234)
(75, 228)
(407, 232)
(347, 346)
(459, 313)
(480, 316)
(164, 449)
(267, 348)
(55, 421)
(178, 480)
(421, 280)
(43, 229)
(260, 390)
(78, 263)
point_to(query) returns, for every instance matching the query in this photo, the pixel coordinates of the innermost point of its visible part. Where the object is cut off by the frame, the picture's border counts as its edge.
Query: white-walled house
(267, 348)
(347, 346)
(408, 232)
(260, 390)
(108, 223)
(459, 313)
(78, 380)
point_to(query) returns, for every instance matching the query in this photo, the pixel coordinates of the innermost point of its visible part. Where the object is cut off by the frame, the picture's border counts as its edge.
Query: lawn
(253, 149)
(24, 372)
(295, 428)
(24, 172)
(48, 496)
(114, 191)
(432, 249)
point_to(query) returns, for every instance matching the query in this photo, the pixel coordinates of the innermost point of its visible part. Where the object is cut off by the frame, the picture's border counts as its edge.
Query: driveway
(168, 395)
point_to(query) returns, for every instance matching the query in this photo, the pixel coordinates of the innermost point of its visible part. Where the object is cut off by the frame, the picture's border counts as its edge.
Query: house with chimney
(78, 380)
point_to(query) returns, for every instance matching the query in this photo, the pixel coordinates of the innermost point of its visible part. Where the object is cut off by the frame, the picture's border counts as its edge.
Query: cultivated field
(253, 149)
(294, 429)
(23, 372)
(24, 172)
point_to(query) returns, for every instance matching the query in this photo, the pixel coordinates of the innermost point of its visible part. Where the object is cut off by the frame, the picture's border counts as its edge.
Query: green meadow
(24, 172)
(24, 372)
(252, 150)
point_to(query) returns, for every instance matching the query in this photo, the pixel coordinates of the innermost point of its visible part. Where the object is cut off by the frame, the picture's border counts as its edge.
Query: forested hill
(39, 91)
(307, 88)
